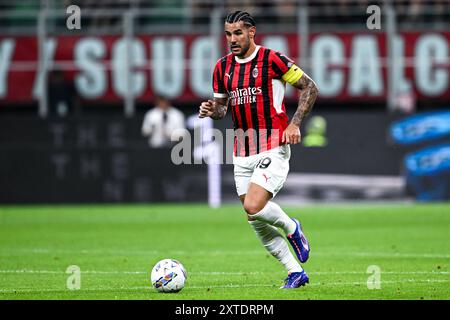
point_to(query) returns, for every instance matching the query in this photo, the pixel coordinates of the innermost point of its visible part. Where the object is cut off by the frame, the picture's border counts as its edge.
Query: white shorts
(268, 169)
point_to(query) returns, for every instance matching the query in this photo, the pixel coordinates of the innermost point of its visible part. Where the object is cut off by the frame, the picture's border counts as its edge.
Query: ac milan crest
(255, 72)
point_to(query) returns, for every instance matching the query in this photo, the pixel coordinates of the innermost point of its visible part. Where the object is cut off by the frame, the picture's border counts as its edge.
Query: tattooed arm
(216, 109)
(307, 98)
(306, 101)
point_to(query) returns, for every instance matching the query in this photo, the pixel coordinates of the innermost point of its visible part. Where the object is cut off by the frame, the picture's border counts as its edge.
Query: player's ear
(252, 32)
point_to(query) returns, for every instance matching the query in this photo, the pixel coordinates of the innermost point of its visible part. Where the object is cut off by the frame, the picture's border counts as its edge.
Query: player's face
(239, 37)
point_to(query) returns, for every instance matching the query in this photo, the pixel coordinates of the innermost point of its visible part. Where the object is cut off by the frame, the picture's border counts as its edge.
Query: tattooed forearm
(307, 98)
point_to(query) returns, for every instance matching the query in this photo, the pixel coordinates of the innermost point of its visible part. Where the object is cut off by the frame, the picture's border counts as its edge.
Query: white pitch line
(382, 272)
(30, 290)
(15, 251)
(6, 271)
(229, 286)
(325, 283)
(392, 255)
(62, 272)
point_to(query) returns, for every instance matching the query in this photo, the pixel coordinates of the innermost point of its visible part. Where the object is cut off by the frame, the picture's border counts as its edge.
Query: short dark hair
(160, 97)
(243, 16)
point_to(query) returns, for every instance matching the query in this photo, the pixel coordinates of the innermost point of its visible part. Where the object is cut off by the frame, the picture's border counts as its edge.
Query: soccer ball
(168, 275)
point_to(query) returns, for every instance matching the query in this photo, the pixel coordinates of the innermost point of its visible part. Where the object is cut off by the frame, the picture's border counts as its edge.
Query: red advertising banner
(346, 66)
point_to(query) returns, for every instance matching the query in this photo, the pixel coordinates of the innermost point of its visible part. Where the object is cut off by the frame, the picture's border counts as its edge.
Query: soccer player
(251, 80)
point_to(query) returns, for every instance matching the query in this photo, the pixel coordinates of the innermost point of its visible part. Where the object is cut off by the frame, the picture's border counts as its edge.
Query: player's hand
(291, 134)
(206, 109)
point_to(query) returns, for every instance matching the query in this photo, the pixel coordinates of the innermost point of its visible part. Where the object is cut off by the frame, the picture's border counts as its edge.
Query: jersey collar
(249, 58)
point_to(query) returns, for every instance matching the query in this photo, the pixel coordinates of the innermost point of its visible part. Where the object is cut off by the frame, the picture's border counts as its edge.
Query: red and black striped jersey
(255, 89)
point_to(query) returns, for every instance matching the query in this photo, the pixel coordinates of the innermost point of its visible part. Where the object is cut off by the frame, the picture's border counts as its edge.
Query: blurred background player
(316, 130)
(160, 122)
(251, 79)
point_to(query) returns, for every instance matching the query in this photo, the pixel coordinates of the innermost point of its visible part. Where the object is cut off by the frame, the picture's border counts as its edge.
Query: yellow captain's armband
(293, 74)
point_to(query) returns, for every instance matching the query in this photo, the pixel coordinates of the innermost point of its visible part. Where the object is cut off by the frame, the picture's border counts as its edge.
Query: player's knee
(252, 207)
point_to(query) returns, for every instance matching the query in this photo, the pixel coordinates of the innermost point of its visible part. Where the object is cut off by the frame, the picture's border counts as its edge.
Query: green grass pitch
(115, 247)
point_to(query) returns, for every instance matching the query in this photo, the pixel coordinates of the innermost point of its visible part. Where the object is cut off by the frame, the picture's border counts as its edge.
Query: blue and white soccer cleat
(295, 280)
(299, 242)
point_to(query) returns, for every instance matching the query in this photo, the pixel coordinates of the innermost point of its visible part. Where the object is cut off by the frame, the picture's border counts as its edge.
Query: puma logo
(304, 242)
(228, 75)
(267, 178)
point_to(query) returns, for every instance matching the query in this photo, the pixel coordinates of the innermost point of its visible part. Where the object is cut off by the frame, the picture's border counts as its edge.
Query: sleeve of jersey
(218, 84)
(286, 69)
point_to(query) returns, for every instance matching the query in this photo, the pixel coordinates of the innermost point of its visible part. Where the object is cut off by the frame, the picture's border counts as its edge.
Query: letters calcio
(345, 66)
